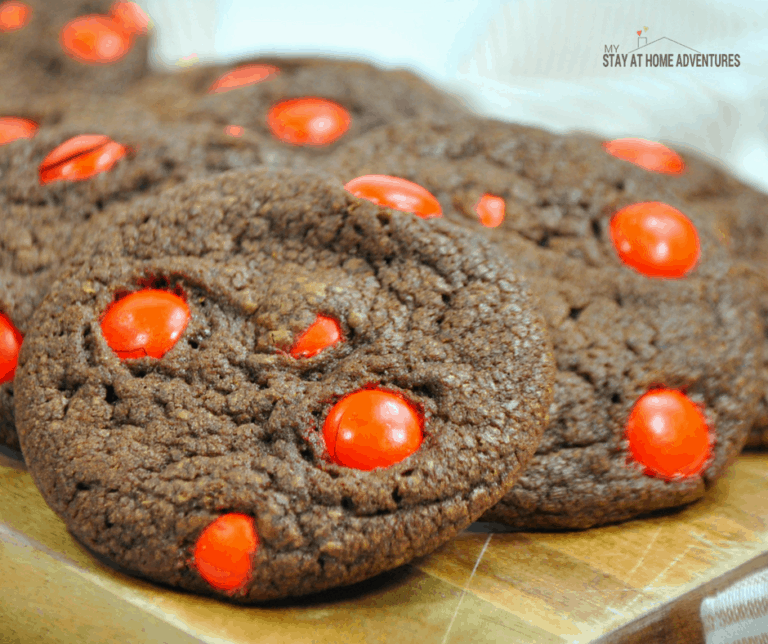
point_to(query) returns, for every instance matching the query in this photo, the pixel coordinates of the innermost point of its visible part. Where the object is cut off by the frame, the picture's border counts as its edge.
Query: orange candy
(308, 121)
(233, 130)
(490, 210)
(13, 15)
(95, 39)
(242, 76)
(145, 323)
(10, 343)
(668, 434)
(12, 128)
(372, 428)
(323, 333)
(130, 17)
(81, 157)
(396, 193)
(655, 239)
(224, 551)
(649, 155)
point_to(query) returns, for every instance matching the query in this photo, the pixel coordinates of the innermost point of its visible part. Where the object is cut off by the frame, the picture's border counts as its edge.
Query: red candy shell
(12, 128)
(10, 343)
(224, 551)
(95, 40)
(243, 76)
(308, 121)
(323, 333)
(130, 17)
(145, 323)
(372, 428)
(396, 193)
(655, 239)
(81, 157)
(14, 15)
(649, 155)
(668, 434)
(490, 210)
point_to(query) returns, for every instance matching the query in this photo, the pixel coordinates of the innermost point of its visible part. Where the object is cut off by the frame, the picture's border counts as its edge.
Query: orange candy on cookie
(130, 17)
(649, 155)
(396, 193)
(308, 121)
(668, 434)
(490, 210)
(243, 76)
(224, 551)
(372, 428)
(655, 239)
(12, 128)
(14, 15)
(324, 332)
(95, 40)
(10, 343)
(145, 323)
(81, 157)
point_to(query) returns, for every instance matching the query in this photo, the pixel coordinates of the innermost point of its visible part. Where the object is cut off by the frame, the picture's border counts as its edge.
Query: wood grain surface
(641, 581)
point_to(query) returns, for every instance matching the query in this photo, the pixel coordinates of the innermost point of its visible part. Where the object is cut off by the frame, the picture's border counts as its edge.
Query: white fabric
(739, 614)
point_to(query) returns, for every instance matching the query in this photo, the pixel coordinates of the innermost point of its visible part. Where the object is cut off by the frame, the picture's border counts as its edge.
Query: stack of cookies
(279, 326)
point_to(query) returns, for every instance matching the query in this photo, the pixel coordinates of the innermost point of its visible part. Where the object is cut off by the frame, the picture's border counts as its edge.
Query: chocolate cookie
(297, 318)
(41, 223)
(618, 333)
(280, 98)
(71, 45)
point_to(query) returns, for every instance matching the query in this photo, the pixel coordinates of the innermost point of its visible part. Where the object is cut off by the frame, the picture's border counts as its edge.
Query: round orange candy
(145, 323)
(655, 239)
(14, 15)
(308, 121)
(322, 333)
(224, 551)
(668, 434)
(396, 193)
(649, 155)
(130, 17)
(10, 343)
(490, 210)
(372, 428)
(242, 76)
(12, 128)
(81, 157)
(233, 130)
(95, 39)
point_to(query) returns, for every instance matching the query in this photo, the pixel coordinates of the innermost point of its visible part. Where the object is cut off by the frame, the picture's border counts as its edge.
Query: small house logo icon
(642, 41)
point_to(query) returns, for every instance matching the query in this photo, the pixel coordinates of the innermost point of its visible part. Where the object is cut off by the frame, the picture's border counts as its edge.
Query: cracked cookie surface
(140, 456)
(616, 333)
(41, 225)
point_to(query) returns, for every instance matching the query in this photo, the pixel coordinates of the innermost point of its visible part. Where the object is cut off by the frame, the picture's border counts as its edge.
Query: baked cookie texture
(616, 333)
(372, 96)
(40, 225)
(739, 215)
(139, 456)
(33, 62)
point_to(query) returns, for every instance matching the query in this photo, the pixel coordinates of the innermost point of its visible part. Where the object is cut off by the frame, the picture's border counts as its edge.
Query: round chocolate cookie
(313, 322)
(247, 94)
(41, 223)
(618, 334)
(33, 60)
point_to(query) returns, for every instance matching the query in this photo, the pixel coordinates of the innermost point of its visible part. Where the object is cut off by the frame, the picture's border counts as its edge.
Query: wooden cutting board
(641, 581)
